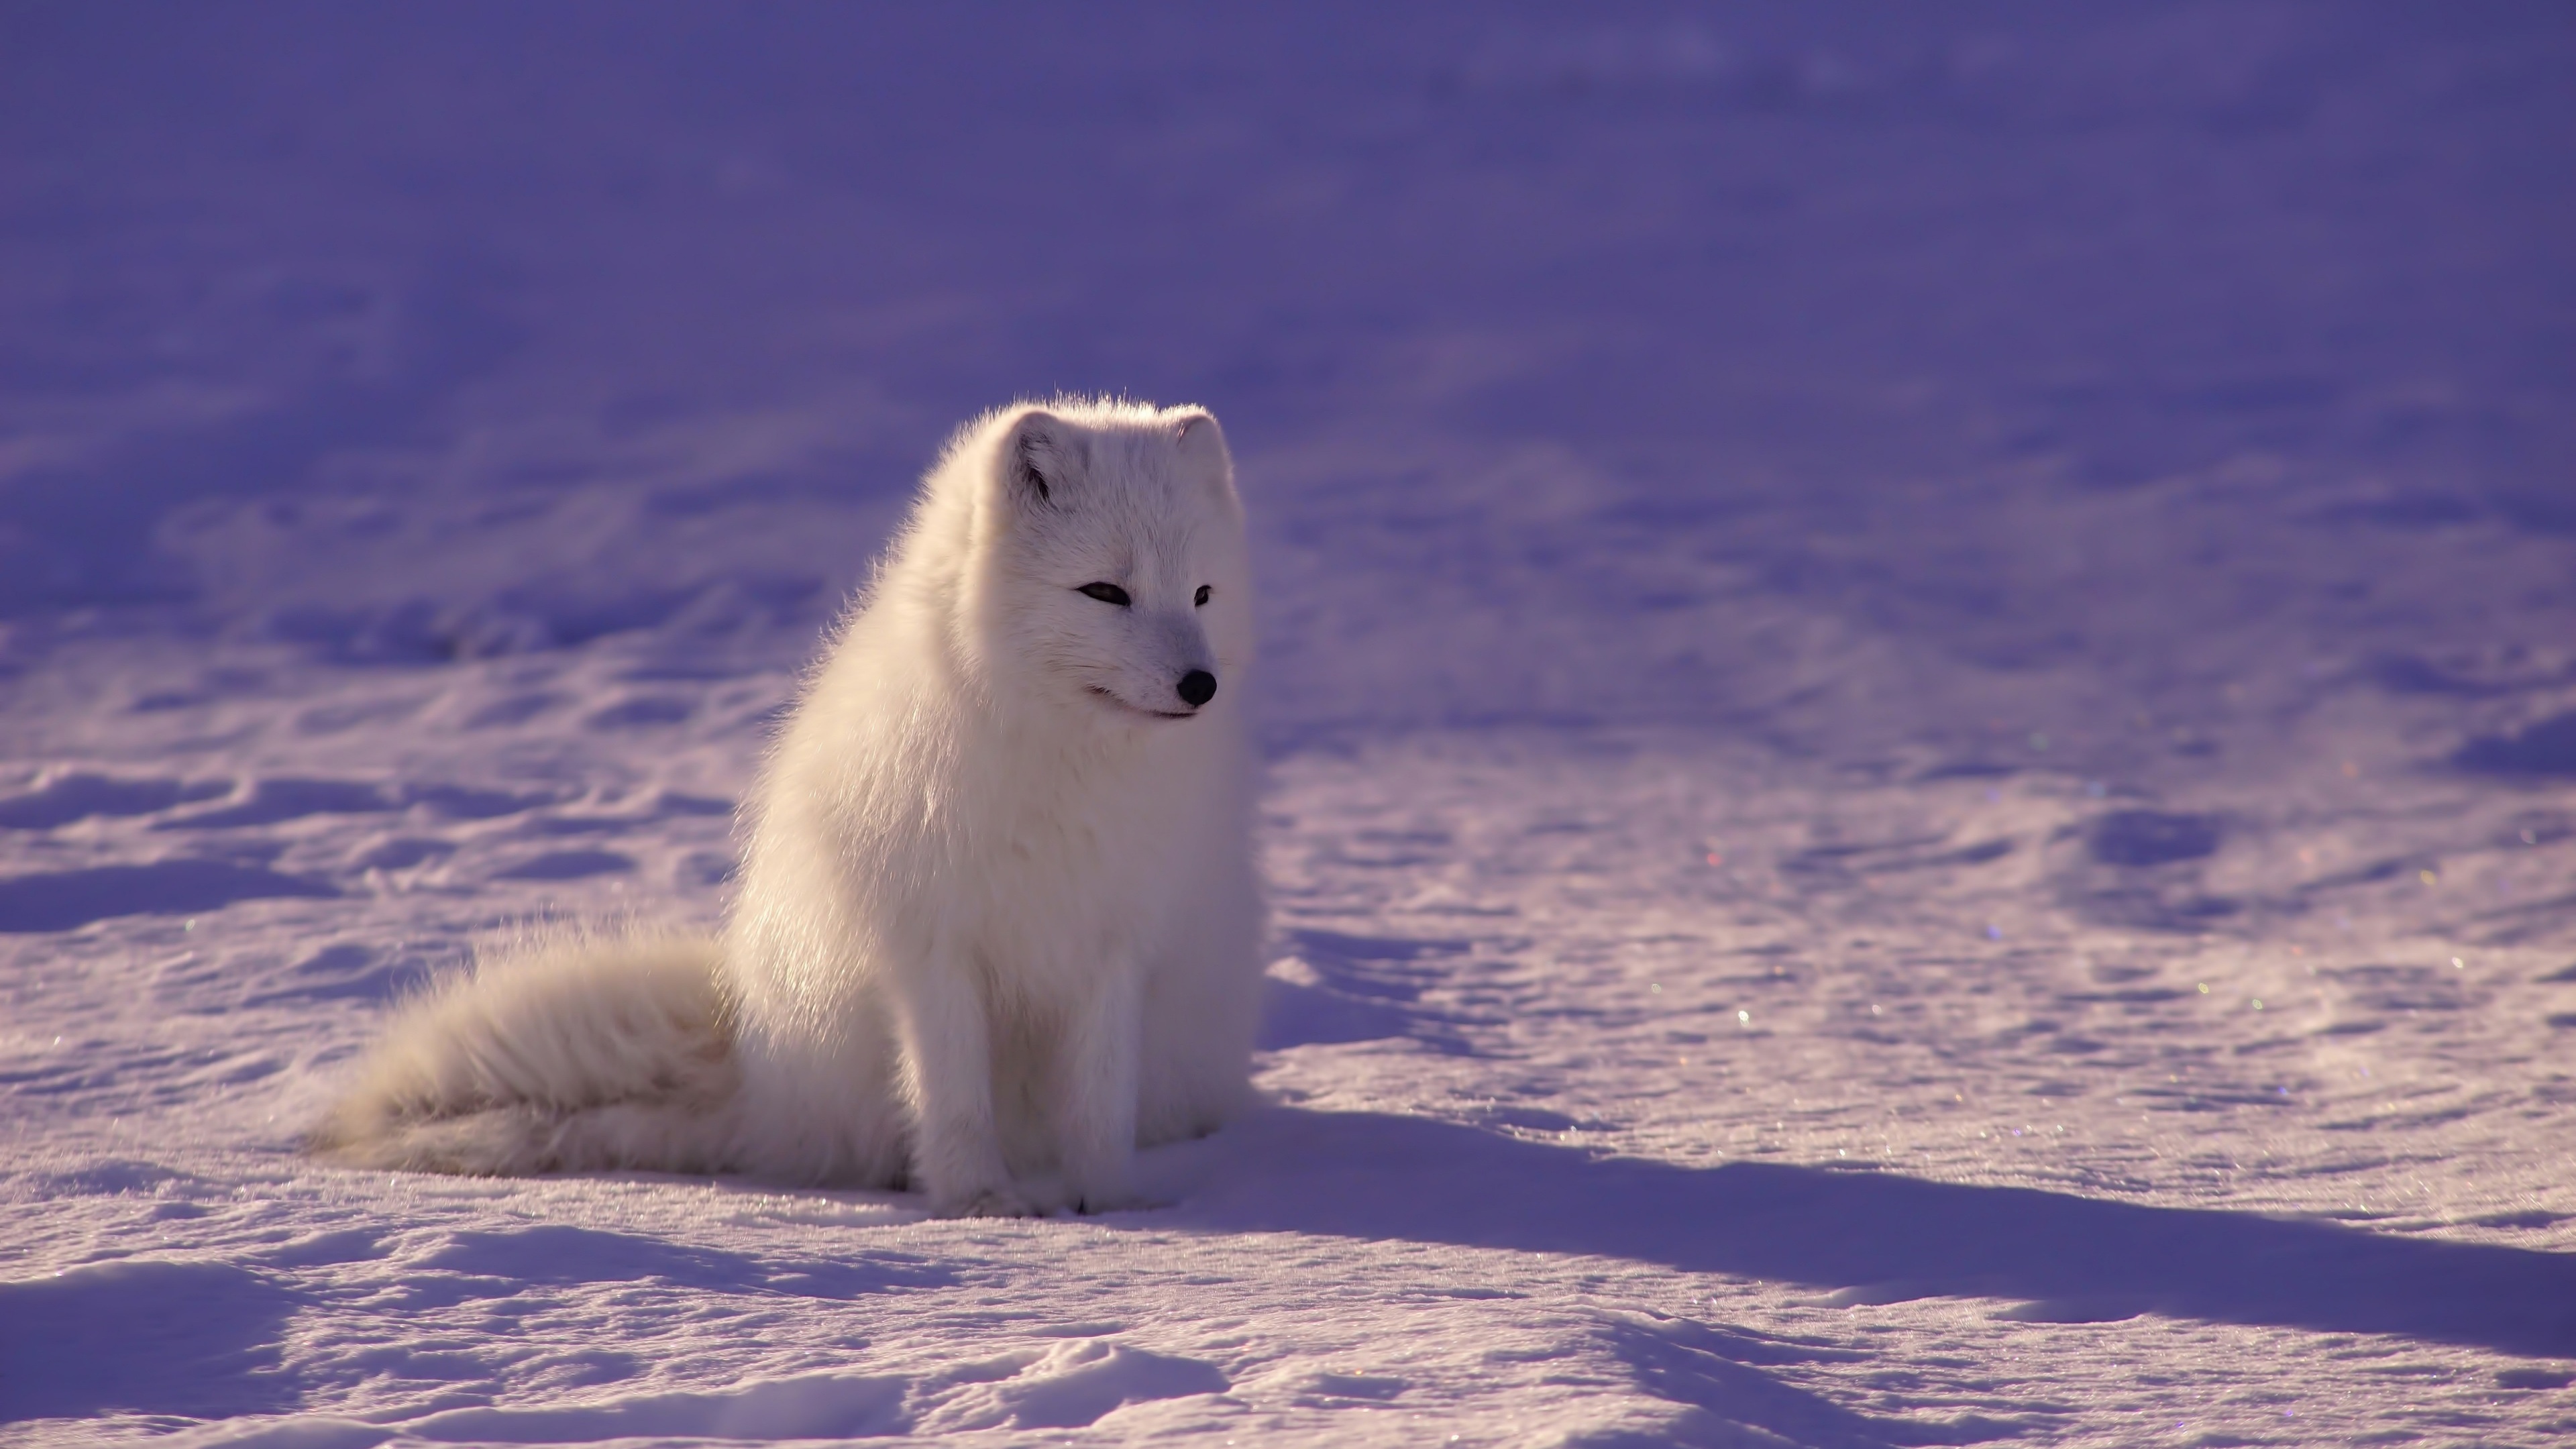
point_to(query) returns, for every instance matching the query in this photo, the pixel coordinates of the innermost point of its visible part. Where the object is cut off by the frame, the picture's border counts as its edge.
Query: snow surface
(1921, 702)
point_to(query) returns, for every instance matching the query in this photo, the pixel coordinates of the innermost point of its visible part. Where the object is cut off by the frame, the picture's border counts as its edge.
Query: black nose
(1198, 687)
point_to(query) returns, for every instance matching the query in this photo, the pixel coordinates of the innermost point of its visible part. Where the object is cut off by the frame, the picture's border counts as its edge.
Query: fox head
(1112, 561)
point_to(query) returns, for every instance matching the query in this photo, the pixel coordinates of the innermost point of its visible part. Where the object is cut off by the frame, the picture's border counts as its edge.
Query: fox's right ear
(1038, 458)
(1199, 436)
(1202, 442)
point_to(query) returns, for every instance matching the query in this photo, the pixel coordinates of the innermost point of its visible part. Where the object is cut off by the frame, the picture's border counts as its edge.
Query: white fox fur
(998, 922)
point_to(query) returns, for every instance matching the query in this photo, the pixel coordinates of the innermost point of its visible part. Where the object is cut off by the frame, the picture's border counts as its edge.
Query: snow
(1920, 702)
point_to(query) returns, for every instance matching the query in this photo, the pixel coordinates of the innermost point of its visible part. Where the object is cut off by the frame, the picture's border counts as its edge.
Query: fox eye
(1106, 593)
(1201, 596)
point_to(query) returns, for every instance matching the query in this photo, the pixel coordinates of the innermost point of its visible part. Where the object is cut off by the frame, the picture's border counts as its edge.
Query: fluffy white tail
(586, 1054)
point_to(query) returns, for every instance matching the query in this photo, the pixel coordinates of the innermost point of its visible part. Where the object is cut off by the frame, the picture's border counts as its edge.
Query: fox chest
(1057, 884)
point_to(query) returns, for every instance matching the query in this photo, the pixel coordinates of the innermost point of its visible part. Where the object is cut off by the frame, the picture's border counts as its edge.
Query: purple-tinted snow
(1920, 673)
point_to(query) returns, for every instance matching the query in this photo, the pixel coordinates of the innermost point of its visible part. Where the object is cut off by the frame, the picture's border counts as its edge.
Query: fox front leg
(948, 1079)
(1096, 1070)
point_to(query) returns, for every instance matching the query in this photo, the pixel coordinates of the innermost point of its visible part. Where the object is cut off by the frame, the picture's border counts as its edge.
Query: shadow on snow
(1881, 1236)
(149, 1336)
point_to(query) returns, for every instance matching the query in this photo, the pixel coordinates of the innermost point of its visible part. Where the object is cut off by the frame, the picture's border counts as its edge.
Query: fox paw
(1112, 1200)
(986, 1202)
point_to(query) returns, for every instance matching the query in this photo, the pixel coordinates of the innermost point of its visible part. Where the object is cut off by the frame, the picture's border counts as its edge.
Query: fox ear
(1039, 456)
(1202, 442)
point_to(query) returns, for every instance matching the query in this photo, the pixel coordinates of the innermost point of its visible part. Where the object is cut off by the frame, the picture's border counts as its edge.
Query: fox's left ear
(1202, 442)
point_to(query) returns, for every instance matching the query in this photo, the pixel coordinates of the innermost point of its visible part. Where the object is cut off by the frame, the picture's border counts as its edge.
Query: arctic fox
(998, 922)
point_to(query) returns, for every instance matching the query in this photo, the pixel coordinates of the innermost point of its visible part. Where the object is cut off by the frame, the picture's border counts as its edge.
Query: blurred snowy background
(1920, 685)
